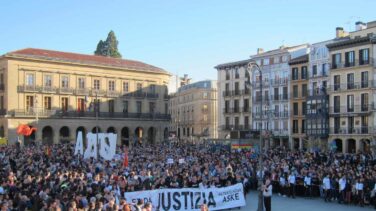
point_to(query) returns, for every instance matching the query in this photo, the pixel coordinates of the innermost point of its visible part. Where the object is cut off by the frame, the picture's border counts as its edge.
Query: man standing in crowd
(359, 191)
(267, 190)
(292, 182)
(342, 192)
(326, 187)
(308, 186)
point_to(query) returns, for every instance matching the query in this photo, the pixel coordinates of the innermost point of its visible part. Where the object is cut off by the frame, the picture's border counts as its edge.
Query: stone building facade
(61, 93)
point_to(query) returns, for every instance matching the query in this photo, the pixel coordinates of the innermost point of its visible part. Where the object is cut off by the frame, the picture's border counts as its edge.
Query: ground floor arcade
(65, 130)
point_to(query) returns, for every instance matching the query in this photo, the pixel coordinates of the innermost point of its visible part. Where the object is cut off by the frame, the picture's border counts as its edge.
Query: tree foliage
(109, 47)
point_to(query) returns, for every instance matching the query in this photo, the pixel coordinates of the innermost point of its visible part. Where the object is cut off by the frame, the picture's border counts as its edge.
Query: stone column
(118, 138)
(344, 145)
(72, 135)
(357, 145)
(55, 138)
(38, 134)
(131, 138)
(300, 143)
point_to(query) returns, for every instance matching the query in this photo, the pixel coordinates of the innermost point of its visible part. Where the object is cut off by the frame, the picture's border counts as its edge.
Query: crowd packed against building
(312, 104)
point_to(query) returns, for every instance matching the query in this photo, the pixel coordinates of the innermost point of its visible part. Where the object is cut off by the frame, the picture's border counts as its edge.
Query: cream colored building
(234, 100)
(352, 90)
(62, 93)
(193, 110)
(298, 104)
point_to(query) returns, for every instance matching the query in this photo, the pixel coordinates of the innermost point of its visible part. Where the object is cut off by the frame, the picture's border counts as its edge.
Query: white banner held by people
(106, 141)
(191, 198)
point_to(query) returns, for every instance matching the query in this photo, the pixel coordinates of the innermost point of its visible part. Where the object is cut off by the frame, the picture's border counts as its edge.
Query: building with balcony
(234, 98)
(276, 93)
(62, 93)
(298, 104)
(193, 110)
(317, 119)
(317, 114)
(352, 90)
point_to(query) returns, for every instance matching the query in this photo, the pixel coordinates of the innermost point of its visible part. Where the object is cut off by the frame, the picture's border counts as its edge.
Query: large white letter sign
(79, 149)
(91, 148)
(108, 145)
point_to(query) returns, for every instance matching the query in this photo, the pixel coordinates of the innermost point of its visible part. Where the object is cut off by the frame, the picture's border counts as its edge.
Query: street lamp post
(96, 117)
(260, 197)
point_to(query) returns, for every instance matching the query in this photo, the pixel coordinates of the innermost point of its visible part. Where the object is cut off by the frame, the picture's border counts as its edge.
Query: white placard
(170, 161)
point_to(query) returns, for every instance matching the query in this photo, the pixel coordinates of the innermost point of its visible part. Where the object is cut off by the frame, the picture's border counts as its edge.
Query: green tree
(100, 49)
(108, 47)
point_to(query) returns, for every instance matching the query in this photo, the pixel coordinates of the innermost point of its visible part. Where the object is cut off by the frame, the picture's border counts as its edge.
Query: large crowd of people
(40, 177)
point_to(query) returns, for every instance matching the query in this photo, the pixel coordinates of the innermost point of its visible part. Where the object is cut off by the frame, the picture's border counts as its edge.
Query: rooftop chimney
(340, 32)
(260, 50)
(360, 26)
(371, 24)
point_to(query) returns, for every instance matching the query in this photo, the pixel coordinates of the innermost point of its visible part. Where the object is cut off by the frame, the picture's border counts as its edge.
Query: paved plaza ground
(299, 204)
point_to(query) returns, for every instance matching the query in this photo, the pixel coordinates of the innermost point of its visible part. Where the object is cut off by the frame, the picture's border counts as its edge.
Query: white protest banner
(79, 149)
(106, 141)
(191, 198)
(91, 148)
(108, 145)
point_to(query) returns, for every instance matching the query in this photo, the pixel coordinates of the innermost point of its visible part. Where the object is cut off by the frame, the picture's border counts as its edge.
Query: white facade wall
(319, 56)
(276, 75)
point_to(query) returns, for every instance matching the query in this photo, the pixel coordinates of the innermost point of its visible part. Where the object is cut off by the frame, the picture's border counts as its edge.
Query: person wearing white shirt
(308, 185)
(326, 187)
(282, 185)
(292, 182)
(359, 191)
(267, 191)
(342, 192)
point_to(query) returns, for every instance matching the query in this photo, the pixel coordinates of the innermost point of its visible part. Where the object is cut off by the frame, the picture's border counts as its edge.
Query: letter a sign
(106, 145)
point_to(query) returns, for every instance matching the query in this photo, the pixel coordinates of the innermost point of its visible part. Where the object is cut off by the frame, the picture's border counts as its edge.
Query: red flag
(125, 163)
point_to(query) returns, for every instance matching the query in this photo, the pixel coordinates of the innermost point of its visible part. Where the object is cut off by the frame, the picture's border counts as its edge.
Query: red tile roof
(83, 59)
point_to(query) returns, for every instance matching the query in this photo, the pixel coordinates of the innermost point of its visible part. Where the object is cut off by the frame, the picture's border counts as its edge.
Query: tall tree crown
(109, 47)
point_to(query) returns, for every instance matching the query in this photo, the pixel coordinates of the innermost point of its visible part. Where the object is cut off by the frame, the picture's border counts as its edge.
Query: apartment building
(299, 86)
(62, 93)
(317, 115)
(352, 92)
(276, 93)
(193, 110)
(234, 99)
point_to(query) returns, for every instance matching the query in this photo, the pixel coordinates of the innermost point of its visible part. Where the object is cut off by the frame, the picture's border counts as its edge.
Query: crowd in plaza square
(52, 178)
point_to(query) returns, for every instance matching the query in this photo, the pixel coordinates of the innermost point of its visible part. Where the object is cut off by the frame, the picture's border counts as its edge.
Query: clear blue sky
(181, 36)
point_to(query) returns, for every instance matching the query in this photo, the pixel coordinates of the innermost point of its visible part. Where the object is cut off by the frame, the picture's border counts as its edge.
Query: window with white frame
(97, 84)
(125, 86)
(64, 81)
(47, 80)
(81, 83)
(30, 79)
(111, 85)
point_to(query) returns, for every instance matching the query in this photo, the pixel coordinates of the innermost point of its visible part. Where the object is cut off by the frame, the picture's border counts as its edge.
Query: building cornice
(233, 64)
(350, 43)
(26, 58)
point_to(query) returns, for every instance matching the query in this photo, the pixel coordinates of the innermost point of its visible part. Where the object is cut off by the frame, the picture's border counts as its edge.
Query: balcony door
(80, 104)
